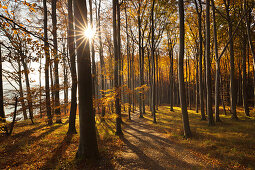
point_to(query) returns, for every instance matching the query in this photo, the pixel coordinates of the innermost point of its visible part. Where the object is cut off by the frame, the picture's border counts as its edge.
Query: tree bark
(71, 47)
(2, 114)
(217, 78)
(47, 63)
(116, 70)
(185, 117)
(233, 96)
(56, 61)
(88, 148)
(208, 67)
(201, 89)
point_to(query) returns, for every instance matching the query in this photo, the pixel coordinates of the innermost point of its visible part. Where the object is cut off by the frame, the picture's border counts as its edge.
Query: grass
(229, 144)
(40, 146)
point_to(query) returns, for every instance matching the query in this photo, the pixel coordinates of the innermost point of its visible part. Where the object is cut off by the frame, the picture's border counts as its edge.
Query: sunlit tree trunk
(88, 148)
(185, 117)
(94, 78)
(29, 96)
(56, 61)
(153, 89)
(40, 86)
(201, 89)
(217, 77)
(208, 66)
(101, 55)
(116, 70)
(24, 110)
(2, 114)
(71, 47)
(129, 66)
(47, 63)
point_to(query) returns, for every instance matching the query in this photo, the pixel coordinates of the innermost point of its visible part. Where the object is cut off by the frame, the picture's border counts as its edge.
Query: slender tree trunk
(153, 98)
(52, 88)
(233, 95)
(217, 78)
(248, 28)
(244, 83)
(197, 85)
(116, 70)
(208, 67)
(65, 71)
(201, 89)
(21, 92)
(40, 86)
(94, 78)
(102, 64)
(88, 148)
(56, 61)
(129, 68)
(29, 96)
(2, 114)
(71, 47)
(185, 117)
(47, 63)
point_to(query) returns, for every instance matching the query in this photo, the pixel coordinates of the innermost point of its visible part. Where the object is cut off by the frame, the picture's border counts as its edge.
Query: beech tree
(185, 117)
(88, 148)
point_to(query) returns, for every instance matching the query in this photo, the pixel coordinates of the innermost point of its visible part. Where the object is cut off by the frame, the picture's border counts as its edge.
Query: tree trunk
(201, 89)
(21, 91)
(244, 83)
(29, 96)
(116, 70)
(101, 55)
(129, 66)
(2, 115)
(208, 67)
(94, 78)
(88, 148)
(47, 63)
(217, 78)
(233, 96)
(56, 61)
(185, 117)
(71, 47)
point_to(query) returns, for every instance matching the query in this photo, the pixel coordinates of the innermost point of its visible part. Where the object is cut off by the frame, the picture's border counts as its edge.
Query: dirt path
(145, 148)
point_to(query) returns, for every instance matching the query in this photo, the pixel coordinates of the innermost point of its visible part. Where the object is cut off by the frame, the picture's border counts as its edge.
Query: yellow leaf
(32, 9)
(4, 7)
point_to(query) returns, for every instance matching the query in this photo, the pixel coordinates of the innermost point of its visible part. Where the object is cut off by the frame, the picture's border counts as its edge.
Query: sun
(89, 32)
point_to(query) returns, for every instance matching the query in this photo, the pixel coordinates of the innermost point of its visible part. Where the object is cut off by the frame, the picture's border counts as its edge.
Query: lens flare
(89, 32)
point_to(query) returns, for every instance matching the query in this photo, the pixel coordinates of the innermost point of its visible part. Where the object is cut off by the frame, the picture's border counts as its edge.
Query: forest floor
(145, 145)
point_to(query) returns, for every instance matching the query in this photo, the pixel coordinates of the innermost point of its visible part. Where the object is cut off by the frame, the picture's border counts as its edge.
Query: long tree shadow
(148, 163)
(58, 153)
(213, 152)
(153, 145)
(12, 149)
